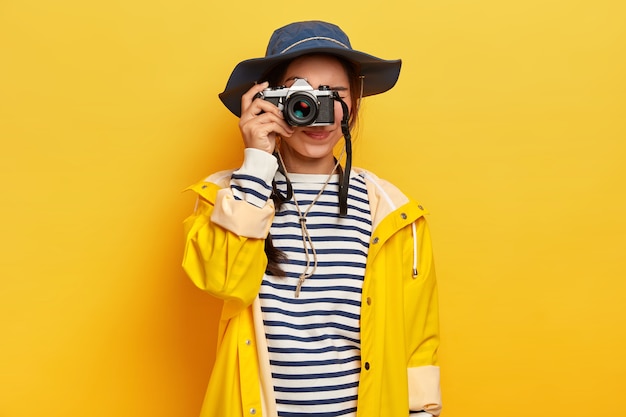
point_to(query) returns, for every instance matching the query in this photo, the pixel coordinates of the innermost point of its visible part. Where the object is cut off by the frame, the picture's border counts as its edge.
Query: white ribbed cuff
(259, 164)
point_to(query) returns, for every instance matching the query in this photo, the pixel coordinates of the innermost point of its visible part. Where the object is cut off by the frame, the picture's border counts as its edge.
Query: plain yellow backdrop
(508, 123)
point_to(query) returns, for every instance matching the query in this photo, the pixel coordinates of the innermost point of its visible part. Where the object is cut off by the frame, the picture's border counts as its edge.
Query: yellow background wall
(508, 123)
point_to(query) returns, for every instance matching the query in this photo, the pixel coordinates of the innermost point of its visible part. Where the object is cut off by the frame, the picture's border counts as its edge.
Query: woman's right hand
(261, 121)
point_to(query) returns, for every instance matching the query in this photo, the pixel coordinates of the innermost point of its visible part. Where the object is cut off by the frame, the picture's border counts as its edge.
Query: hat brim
(379, 75)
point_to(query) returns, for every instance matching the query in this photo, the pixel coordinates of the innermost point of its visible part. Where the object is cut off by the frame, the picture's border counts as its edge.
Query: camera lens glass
(301, 109)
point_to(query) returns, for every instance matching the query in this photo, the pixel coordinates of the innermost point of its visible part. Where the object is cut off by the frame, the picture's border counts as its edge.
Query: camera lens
(301, 109)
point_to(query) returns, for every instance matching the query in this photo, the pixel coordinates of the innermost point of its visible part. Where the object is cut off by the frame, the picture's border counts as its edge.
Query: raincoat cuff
(424, 391)
(240, 217)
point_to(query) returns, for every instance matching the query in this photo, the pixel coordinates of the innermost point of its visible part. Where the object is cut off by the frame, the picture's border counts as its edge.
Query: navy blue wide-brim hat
(302, 38)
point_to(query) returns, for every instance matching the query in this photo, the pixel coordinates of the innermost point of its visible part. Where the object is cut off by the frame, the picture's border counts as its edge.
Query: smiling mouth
(317, 134)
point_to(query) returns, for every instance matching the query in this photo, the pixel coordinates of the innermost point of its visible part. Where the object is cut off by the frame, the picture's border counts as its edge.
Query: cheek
(339, 110)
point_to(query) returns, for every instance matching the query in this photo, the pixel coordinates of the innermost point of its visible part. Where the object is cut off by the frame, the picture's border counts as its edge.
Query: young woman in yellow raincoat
(325, 271)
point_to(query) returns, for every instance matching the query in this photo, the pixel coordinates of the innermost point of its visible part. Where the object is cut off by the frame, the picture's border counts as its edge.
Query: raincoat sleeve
(423, 330)
(225, 238)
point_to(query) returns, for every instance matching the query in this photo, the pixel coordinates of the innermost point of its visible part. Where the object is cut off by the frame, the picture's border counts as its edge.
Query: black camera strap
(344, 181)
(277, 196)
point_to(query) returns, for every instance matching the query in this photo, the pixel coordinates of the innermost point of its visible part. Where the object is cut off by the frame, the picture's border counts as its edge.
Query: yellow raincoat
(224, 256)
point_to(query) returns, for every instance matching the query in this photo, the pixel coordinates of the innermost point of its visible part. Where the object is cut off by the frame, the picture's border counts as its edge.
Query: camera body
(301, 104)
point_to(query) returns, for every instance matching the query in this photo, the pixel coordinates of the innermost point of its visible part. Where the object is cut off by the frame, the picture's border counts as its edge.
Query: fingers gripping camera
(301, 104)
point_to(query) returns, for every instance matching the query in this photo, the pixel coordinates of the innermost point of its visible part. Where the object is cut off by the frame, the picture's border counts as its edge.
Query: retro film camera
(301, 104)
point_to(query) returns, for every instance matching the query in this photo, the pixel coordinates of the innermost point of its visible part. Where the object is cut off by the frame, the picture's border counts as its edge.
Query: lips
(317, 134)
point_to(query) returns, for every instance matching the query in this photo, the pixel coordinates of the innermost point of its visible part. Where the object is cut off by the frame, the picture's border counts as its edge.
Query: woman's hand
(261, 121)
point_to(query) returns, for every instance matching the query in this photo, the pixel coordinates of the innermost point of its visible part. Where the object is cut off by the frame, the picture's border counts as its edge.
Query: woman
(326, 273)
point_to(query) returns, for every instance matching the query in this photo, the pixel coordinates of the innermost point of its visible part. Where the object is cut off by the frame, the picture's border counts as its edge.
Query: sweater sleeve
(253, 181)
(224, 242)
